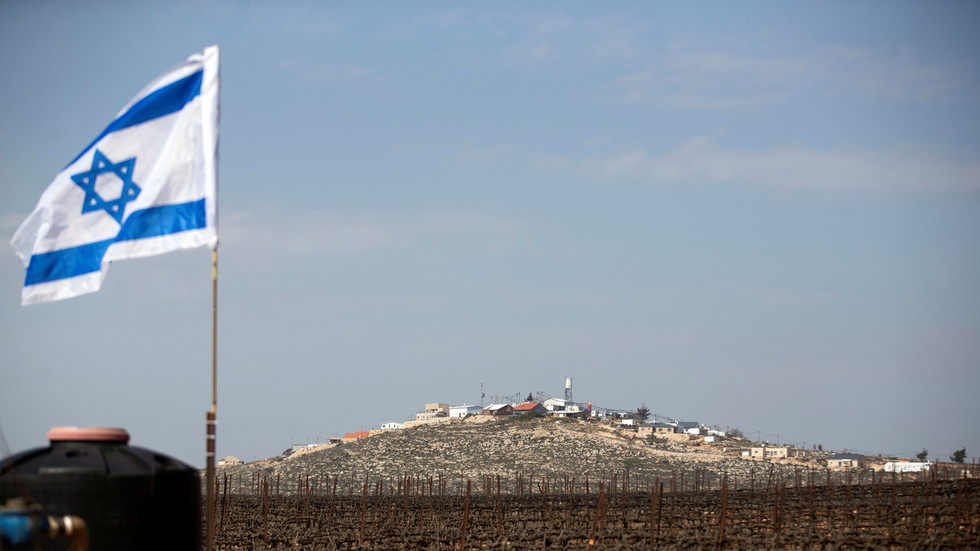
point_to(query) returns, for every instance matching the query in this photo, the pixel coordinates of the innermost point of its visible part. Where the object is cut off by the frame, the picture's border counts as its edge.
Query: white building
(392, 426)
(907, 466)
(464, 410)
(689, 427)
(564, 408)
(552, 404)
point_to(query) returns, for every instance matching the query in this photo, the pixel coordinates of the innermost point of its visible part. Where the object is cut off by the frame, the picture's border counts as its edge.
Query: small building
(770, 452)
(658, 428)
(229, 461)
(433, 411)
(572, 412)
(907, 466)
(463, 411)
(355, 436)
(555, 404)
(498, 409)
(689, 427)
(564, 408)
(650, 429)
(845, 461)
(392, 426)
(629, 422)
(529, 407)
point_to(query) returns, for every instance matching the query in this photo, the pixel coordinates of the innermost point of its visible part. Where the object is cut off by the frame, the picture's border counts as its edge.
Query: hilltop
(478, 446)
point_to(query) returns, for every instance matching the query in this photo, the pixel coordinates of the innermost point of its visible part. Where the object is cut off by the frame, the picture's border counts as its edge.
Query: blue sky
(762, 215)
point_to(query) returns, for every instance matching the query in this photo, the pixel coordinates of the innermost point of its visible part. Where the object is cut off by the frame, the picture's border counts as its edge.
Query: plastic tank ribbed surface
(130, 497)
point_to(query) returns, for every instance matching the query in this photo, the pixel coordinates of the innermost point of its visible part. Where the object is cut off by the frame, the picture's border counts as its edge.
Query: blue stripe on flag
(66, 263)
(84, 259)
(164, 101)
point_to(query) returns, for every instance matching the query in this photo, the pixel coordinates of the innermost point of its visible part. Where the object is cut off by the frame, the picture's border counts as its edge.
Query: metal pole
(213, 413)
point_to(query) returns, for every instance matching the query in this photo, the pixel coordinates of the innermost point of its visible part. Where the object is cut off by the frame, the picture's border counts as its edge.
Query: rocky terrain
(522, 446)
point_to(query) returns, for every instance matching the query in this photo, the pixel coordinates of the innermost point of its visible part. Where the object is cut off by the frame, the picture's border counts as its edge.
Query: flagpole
(213, 413)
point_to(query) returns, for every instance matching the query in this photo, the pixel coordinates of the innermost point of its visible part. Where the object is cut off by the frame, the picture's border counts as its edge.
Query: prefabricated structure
(392, 426)
(565, 408)
(907, 466)
(498, 409)
(689, 427)
(464, 410)
(555, 404)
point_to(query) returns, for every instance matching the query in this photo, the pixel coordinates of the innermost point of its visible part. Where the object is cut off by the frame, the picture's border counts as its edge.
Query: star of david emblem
(97, 189)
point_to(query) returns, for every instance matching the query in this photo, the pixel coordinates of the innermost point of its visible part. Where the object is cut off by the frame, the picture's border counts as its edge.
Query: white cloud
(797, 167)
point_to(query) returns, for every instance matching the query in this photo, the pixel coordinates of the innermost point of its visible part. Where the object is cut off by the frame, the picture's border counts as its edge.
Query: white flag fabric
(147, 185)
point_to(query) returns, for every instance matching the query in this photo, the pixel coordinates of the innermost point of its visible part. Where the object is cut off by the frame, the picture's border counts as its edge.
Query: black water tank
(130, 497)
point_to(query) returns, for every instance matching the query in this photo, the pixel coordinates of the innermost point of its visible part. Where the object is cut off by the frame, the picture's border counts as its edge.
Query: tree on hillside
(736, 432)
(529, 398)
(642, 412)
(923, 455)
(958, 456)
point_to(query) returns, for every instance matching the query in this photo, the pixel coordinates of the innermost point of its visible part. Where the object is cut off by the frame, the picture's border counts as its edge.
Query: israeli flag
(147, 185)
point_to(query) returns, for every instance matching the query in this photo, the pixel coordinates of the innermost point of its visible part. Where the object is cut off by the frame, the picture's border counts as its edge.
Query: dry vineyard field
(811, 511)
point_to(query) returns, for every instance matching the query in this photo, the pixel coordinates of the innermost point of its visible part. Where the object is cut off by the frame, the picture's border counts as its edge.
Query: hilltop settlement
(554, 437)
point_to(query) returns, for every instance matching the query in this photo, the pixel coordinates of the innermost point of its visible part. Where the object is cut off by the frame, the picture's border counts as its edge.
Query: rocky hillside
(521, 445)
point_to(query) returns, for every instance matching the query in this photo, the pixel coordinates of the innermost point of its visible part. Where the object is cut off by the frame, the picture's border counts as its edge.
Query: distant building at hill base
(844, 461)
(769, 452)
(907, 466)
